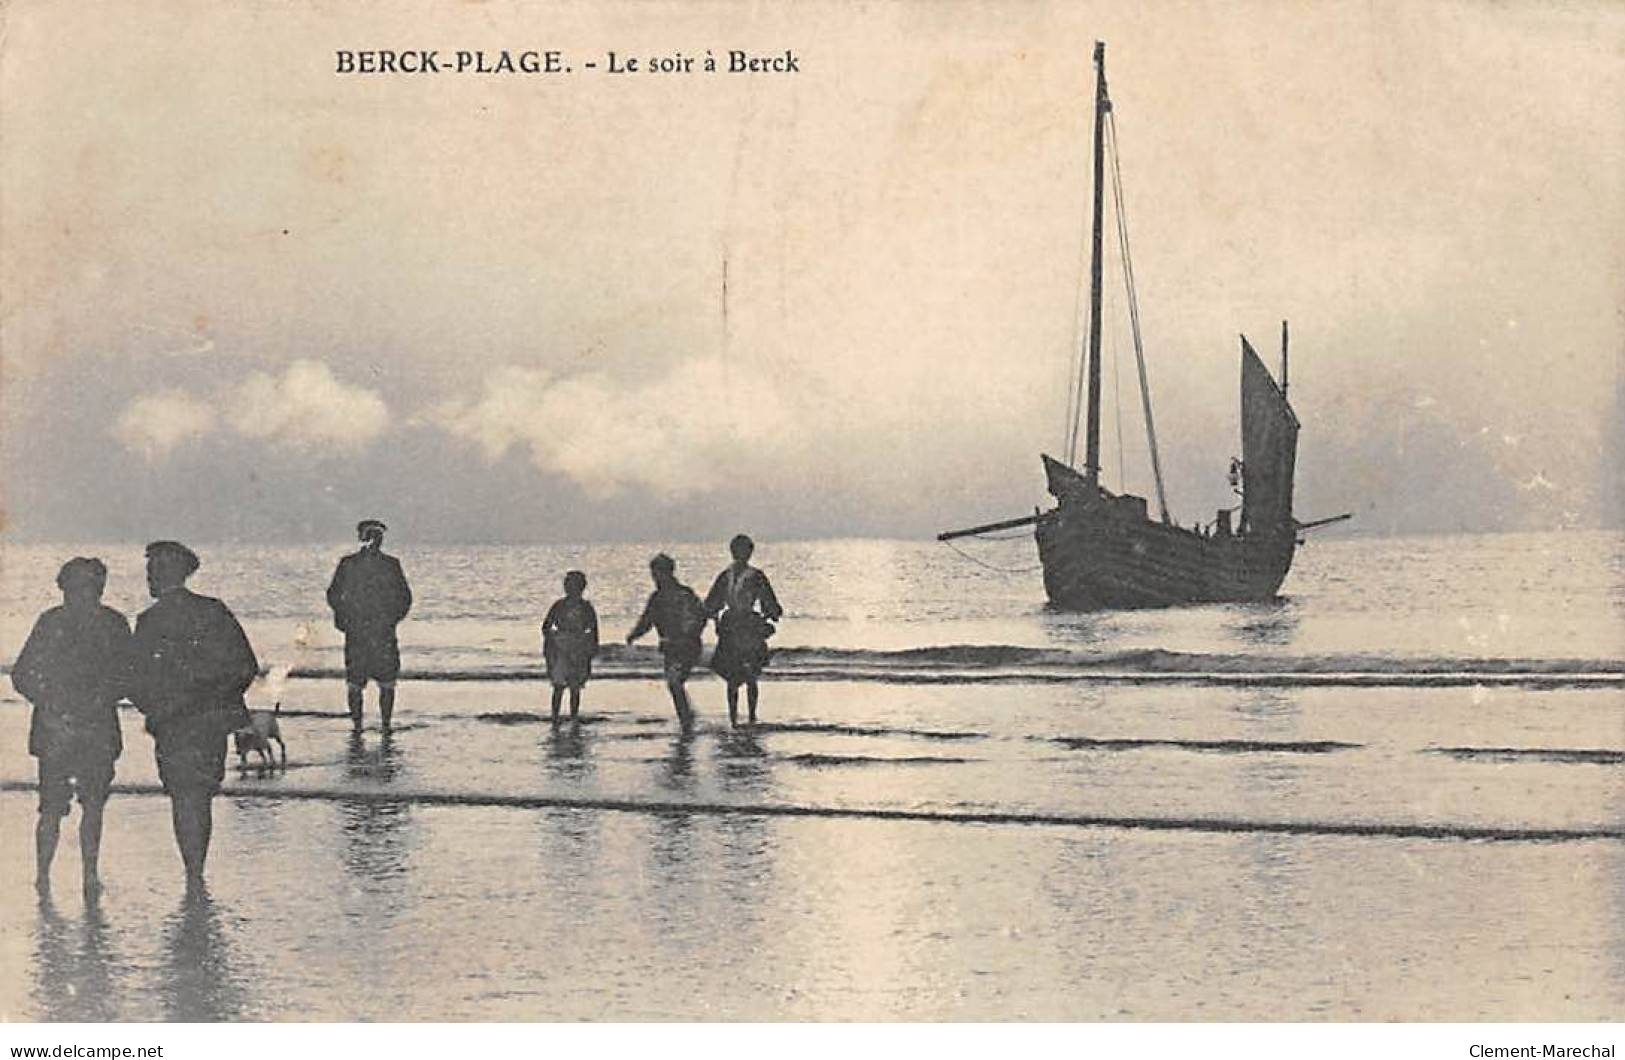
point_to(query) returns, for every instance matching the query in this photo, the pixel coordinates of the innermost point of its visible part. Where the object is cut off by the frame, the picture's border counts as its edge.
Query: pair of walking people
(741, 601)
(185, 668)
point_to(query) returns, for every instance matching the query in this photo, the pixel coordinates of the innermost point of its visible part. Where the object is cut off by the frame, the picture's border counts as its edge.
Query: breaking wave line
(1220, 825)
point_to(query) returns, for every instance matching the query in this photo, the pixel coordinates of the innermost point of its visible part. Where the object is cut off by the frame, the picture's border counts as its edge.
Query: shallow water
(1160, 853)
(1553, 597)
(339, 910)
(1364, 801)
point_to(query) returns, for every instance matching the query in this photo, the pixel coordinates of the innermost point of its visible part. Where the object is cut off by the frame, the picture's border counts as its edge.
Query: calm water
(992, 831)
(1384, 603)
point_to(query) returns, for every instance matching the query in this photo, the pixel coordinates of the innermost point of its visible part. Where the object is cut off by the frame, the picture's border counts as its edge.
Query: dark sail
(1269, 449)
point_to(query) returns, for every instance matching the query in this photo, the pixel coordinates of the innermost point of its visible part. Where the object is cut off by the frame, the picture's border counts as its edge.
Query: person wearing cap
(675, 612)
(742, 601)
(73, 669)
(369, 596)
(191, 665)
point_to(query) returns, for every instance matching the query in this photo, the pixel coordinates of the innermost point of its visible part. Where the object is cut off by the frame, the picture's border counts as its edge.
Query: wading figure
(191, 664)
(742, 601)
(676, 613)
(569, 641)
(74, 668)
(369, 597)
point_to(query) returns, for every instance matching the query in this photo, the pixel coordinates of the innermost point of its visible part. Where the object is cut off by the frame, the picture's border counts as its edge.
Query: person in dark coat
(675, 612)
(569, 641)
(369, 597)
(191, 664)
(74, 669)
(742, 602)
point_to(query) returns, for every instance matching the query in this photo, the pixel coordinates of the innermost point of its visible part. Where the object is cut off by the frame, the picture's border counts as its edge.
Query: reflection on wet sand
(1271, 918)
(673, 841)
(74, 978)
(198, 982)
(567, 752)
(1267, 622)
(746, 857)
(742, 764)
(376, 832)
(676, 773)
(569, 758)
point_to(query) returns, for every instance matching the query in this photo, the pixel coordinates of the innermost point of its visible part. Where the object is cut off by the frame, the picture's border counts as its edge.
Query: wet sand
(875, 852)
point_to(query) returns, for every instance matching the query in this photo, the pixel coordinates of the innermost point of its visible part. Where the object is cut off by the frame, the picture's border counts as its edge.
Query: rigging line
(1074, 405)
(1117, 401)
(1134, 312)
(1001, 570)
(1080, 371)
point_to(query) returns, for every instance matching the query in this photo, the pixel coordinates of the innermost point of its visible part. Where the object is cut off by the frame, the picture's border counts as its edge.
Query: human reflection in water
(677, 769)
(673, 838)
(74, 980)
(567, 752)
(570, 837)
(742, 764)
(199, 985)
(381, 766)
(746, 860)
(375, 830)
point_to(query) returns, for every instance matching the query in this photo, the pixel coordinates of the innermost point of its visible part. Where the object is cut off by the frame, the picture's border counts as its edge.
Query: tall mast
(1091, 464)
(1283, 358)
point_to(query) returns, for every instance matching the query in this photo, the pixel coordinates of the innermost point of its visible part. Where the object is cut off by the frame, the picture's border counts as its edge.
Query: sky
(245, 297)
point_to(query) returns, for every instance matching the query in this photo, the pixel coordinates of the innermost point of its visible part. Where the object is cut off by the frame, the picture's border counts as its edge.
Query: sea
(1395, 792)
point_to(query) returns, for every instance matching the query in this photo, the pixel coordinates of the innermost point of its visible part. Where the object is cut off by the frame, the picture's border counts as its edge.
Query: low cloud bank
(306, 407)
(674, 435)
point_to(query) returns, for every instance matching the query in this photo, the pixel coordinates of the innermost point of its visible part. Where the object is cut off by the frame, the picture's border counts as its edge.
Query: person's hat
(80, 571)
(367, 527)
(175, 552)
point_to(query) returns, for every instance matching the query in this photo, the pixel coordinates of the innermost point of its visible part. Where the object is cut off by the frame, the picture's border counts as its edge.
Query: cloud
(308, 407)
(680, 434)
(154, 424)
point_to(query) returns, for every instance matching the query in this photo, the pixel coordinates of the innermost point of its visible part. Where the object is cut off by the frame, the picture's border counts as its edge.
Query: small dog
(257, 735)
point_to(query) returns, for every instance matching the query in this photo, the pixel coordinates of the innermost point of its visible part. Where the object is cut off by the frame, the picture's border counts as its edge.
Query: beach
(976, 812)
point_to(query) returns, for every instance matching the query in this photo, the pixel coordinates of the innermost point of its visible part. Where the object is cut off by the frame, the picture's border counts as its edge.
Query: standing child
(569, 641)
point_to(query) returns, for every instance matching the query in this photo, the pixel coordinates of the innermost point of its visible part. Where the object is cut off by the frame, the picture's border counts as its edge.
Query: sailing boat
(1101, 549)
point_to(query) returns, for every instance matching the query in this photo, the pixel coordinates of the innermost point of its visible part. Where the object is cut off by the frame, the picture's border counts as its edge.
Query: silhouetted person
(742, 601)
(676, 613)
(369, 597)
(74, 668)
(569, 641)
(192, 664)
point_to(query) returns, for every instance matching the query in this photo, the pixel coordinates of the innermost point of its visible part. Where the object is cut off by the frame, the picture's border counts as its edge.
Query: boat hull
(1108, 555)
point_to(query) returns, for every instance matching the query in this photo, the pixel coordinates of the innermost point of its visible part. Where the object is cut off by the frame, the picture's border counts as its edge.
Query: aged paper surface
(639, 275)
